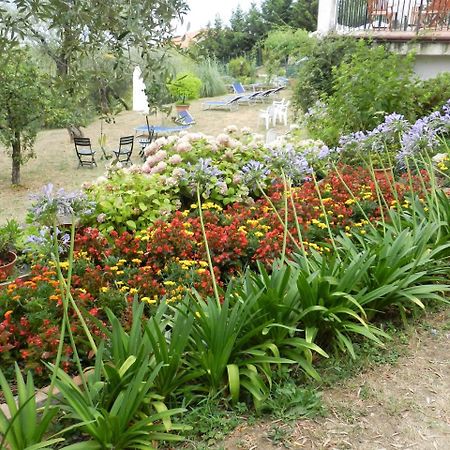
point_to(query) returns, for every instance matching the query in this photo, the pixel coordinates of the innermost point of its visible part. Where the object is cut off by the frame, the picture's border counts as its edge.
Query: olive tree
(23, 102)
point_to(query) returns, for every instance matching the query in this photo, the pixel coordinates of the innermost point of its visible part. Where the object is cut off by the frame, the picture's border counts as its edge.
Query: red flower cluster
(169, 257)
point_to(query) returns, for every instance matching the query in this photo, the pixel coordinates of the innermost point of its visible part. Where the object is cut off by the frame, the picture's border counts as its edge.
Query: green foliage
(366, 86)
(211, 422)
(223, 347)
(288, 401)
(241, 69)
(129, 201)
(210, 75)
(186, 86)
(284, 45)
(24, 426)
(10, 235)
(316, 73)
(23, 92)
(373, 82)
(432, 94)
(127, 413)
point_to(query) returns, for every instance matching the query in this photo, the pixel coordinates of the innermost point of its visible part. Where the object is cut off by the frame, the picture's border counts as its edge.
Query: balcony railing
(394, 15)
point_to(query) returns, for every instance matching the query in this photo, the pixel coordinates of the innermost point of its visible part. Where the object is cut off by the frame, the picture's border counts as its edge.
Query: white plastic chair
(282, 112)
(268, 115)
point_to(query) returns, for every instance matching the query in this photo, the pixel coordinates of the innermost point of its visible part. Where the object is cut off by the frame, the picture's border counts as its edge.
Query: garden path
(400, 406)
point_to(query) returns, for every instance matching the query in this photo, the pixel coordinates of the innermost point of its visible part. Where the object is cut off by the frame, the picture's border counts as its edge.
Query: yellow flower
(203, 264)
(259, 234)
(136, 261)
(124, 289)
(200, 271)
(185, 213)
(169, 283)
(147, 300)
(104, 289)
(133, 291)
(113, 268)
(350, 201)
(363, 231)
(120, 272)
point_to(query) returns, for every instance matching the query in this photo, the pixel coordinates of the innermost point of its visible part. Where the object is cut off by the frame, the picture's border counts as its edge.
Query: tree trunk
(16, 156)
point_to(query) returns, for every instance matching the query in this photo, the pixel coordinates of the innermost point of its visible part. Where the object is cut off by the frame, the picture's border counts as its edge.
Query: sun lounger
(230, 103)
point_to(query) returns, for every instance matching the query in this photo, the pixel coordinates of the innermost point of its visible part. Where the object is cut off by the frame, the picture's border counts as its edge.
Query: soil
(401, 406)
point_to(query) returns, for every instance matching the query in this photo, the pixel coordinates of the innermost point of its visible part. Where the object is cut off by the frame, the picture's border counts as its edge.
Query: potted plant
(9, 234)
(186, 86)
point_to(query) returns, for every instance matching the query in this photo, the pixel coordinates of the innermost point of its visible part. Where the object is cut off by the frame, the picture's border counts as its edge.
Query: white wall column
(327, 17)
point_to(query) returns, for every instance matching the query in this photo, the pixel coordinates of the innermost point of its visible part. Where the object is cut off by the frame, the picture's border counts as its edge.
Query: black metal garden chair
(85, 154)
(123, 154)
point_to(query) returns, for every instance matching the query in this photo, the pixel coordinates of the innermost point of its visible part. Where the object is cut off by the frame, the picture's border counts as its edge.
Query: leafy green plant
(118, 407)
(331, 292)
(288, 401)
(242, 69)
(24, 426)
(404, 271)
(221, 345)
(142, 200)
(316, 72)
(278, 309)
(186, 86)
(10, 235)
(432, 94)
(210, 75)
(373, 82)
(164, 336)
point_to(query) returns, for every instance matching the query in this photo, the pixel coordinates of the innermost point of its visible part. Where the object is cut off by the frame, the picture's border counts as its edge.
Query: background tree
(24, 98)
(304, 14)
(70, 31)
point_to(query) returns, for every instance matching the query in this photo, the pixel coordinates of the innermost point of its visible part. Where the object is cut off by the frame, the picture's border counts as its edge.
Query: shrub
(373, 82)
(242, 69)
(433, 93)
(212, 82)
(315, 74)
(186, 86)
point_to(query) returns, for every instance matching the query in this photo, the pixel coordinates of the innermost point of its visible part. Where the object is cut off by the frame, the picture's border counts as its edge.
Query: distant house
(422, 26)
(188, 38)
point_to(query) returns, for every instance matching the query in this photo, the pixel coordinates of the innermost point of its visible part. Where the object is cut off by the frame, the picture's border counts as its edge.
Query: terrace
(421, 26)
(395, 17)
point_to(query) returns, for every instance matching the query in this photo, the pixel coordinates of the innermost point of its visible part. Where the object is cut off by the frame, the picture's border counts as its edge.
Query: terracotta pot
(6, 269)
(182, 107)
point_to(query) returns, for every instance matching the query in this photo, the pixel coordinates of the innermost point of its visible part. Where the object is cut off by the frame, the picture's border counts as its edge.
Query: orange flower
(8, 313)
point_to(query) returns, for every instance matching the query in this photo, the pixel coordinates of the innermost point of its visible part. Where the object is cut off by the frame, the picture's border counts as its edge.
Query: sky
(204, 11)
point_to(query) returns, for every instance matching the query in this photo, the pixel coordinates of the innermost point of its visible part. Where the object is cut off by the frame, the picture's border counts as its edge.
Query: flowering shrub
(31, 312)
(168, 258)
(396, 140)
(229, 168)
(127, 199)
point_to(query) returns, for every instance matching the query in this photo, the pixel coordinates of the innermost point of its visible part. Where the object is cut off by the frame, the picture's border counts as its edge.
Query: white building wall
(327, 16)
(429, 66)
